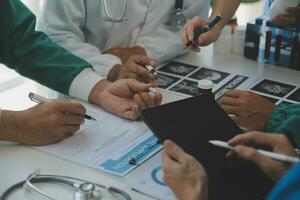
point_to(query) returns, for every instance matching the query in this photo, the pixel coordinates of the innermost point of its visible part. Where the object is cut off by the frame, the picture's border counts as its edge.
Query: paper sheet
(148, 179)
(107, 144)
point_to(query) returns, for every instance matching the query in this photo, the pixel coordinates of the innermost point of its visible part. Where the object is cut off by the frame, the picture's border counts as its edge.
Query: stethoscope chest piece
(87, 191)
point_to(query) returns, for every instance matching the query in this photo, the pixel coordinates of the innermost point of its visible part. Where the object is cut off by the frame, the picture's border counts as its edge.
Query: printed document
(107, 144)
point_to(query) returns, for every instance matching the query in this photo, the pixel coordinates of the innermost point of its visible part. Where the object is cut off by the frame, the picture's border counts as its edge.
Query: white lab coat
(79, 26)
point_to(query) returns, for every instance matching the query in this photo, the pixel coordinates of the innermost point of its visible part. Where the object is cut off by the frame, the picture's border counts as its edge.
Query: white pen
(151, 69)
(275, 156)
(39, 99)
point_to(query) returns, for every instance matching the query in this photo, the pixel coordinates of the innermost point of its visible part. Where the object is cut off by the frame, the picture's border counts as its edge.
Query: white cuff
(108, 61)
(83, 84)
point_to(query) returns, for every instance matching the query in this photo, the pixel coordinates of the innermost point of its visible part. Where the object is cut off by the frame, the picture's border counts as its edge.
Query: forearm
(32, 53)
(226, 8)
(9, 126)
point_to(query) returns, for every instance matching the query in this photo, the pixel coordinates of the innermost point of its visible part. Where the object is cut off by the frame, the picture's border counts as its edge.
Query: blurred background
(14, 88)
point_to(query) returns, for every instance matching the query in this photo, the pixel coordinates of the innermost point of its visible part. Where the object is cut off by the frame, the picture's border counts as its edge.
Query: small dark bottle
(205, 87)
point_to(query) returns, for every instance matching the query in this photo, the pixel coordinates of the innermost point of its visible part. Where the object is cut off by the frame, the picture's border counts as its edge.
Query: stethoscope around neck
(83, 190)
(177, 22)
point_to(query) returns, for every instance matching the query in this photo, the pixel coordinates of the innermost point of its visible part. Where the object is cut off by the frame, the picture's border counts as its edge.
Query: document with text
(108, 144)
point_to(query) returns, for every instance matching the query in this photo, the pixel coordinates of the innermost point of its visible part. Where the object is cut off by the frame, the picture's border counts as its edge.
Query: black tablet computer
(191, 123)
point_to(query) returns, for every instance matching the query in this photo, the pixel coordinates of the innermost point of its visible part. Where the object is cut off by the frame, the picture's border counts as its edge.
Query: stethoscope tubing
(60, 179)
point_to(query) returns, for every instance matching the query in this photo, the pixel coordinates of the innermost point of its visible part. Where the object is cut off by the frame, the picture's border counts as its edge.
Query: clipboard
(191, 123)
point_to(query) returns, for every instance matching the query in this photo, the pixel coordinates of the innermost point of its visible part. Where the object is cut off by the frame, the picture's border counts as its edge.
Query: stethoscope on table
(84, 190)
(178, 21)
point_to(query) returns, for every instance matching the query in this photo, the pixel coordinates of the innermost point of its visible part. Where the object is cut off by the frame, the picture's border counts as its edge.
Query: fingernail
(238, 149)
(152, 76)
(135, 108)
(153, 63)
(168, 144)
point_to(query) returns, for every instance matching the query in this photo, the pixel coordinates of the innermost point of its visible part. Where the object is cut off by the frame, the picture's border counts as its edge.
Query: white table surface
(16, 162)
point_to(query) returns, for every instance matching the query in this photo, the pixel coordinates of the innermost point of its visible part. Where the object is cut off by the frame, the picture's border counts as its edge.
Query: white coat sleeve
(158, 37)
(64, 22)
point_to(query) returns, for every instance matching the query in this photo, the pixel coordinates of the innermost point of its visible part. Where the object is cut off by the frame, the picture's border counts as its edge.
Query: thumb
(254, 156)
(138, 86)
(207, 38)
(175, 152)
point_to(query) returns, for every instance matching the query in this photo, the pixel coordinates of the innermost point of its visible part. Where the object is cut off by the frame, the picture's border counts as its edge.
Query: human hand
(249, 110)
(48, 123)
(189, 29)
(125, 98)
(183, 174)
(125, 53)
(277, 143)
(133, 68)
(292, 19)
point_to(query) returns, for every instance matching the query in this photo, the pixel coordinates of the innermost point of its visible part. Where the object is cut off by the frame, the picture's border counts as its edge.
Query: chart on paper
(107, 144)
(148, 179)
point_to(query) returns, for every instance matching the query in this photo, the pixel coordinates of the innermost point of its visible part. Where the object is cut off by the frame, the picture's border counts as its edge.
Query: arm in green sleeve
(285, 119)
(32, 53)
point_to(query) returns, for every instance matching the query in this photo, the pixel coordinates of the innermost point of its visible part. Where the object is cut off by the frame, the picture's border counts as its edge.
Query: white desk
(16, 162)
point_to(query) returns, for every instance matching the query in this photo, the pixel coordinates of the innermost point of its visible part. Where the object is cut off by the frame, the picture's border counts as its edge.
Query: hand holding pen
(39, 99)
(198, 32)
(278, 158)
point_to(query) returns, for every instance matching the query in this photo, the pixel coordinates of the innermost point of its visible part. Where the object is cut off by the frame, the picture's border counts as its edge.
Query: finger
(205, 39)
(234, 93)
(175, 152)
(157, 99)
(196, 23)
(293, 10)
(254, 137)
(144, 60)
(70, 107)
(190, 30)
(139, 101)
(229, 101)
(170, 166)
(140, 70)
(231, 154)
(236, 119)
(285, 20)
(69, 130)
(195, 48)
(138, 87)
(231, 110)
(68, 119)
(251, 154)
(148, 100)
(132, 113)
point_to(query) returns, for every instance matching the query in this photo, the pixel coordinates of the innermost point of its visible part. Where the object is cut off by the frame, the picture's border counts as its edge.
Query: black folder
(191, 123)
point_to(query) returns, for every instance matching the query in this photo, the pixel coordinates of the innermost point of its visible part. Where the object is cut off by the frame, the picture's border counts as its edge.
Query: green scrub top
(285, 119)
(32, 53)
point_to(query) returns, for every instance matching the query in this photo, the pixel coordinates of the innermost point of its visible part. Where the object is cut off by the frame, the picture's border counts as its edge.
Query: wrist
(97, 90)
(9, 126)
